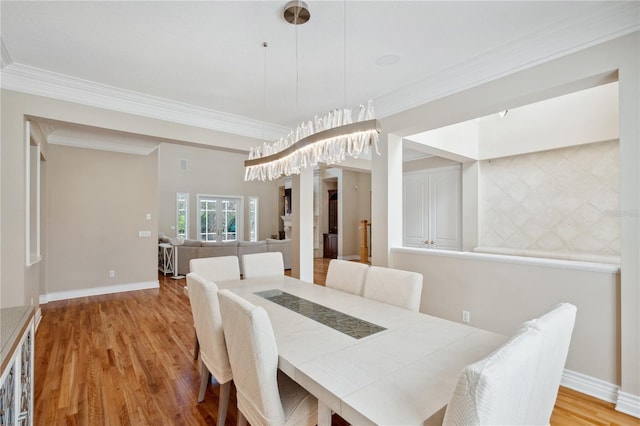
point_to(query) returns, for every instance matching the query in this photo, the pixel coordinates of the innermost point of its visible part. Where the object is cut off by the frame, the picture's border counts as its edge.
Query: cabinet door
(432, 209)
(445, 209)
(415, 210)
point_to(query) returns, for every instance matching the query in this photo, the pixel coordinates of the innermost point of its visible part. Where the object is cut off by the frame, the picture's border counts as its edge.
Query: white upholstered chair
(556, 328)
(214, 269)
(394, 286)
(258, 265)
(346, 276)
(265, 395)
(518, 383)
(496, 390)
(214, 359)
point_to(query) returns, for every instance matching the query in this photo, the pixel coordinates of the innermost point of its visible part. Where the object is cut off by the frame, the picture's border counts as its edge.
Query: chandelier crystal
(327, 139)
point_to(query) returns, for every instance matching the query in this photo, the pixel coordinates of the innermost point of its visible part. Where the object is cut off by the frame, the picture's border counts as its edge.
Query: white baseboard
(96, 291)
(628, 404)
(596, 388)
(625, 402)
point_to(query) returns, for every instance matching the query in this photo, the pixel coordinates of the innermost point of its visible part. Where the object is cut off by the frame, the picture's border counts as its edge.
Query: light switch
(148, 216)
(144, 234)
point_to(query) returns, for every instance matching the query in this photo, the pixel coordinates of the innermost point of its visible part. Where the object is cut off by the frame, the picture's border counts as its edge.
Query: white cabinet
(432, 208)
(16, 381)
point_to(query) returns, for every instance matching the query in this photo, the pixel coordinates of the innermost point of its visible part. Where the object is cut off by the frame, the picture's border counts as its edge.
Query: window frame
(32, 197)
(186, 215)
(239, 215)
(254, 214)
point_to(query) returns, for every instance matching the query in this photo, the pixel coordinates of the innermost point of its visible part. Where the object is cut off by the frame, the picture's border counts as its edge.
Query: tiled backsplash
(564, 200)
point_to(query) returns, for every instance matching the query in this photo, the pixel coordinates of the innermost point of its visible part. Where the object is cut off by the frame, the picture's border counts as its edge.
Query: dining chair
(220, 268)
(257, 265)
(556, 327)
(496, 390)
(214, 359)
(214, 269)
(346, 276)
(394, 286)
(518, 383)
(265, 395)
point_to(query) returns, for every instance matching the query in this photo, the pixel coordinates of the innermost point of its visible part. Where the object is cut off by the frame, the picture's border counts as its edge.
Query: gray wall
(98, 201)
(23, 286)
(211, 172)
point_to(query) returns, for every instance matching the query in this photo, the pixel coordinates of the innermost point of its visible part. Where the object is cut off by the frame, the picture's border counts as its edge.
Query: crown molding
(514, 55)
(616, 20)
(6, 57)
(122, 145)
(36, 81)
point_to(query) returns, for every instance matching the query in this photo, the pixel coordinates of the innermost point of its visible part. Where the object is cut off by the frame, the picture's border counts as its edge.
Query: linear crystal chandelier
(328, 139)
(325, 140)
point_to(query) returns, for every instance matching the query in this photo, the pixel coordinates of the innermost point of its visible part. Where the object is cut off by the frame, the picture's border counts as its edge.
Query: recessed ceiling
(207, 58)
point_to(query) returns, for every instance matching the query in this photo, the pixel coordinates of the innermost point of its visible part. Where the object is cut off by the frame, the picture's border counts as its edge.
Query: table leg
(324, 414)
(175, 264)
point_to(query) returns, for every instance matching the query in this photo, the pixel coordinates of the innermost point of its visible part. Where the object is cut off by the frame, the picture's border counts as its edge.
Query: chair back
(346, 276)
(215, 269)
(203, 296)
(497, 389)
(394, 286)
(257, 265)
(556, 328)
(254, 359)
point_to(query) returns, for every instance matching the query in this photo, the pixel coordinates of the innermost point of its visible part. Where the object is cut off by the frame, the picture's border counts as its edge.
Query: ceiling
(203, 63)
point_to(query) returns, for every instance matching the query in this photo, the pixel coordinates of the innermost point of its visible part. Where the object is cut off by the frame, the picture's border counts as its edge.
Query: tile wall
(563, 201)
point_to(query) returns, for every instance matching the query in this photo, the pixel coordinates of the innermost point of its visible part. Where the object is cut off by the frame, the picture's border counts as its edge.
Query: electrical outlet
(466, 316)
(112, 273)
(144, 234)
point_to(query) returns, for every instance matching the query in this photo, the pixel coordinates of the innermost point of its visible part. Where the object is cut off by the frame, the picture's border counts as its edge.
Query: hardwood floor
(125, 359)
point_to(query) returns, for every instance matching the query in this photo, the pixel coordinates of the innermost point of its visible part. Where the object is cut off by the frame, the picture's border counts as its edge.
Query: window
(32, 187)
(182, 215)
(253, 218)
(220, 218)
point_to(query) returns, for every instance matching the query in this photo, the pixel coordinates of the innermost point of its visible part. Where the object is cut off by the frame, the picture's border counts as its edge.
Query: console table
(166, 258)
(16, 358)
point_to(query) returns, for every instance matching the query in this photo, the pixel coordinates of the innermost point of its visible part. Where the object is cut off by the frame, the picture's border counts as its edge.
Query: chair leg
(204, 381)
(196, 346)
(242, 420)
(223, 402)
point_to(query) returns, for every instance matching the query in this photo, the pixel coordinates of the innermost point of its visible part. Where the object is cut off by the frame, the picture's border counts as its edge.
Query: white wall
(582, 117)
(211, 172)
(617, 59)
(500, 294)
(461, 139)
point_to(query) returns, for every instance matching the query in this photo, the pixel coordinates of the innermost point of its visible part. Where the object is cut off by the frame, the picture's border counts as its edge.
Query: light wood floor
(126, 359)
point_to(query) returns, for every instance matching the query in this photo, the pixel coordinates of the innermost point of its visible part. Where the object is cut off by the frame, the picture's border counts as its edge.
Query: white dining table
(402, 375)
